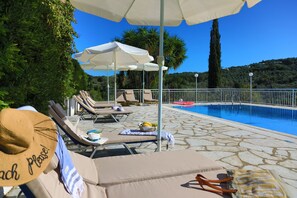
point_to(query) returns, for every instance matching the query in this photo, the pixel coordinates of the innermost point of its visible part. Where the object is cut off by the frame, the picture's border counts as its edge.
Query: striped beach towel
(256, 184)
(72, 181)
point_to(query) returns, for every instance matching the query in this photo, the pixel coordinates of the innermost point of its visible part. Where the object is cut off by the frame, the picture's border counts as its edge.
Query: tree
(148, 38)
(36, 43)
(214, 60)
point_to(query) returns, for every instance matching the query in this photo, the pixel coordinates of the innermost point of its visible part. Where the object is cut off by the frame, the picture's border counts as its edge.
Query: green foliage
(96, 94)
(148, 38)
(80, 78)
(281, 73)
(214, 60)
(2, 103)
(36, 42)
(97, 87)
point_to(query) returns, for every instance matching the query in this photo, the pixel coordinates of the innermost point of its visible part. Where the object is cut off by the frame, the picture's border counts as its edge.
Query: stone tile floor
(231, 144)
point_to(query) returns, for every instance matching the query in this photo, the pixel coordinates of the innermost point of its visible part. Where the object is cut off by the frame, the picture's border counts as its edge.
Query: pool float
(184, 103)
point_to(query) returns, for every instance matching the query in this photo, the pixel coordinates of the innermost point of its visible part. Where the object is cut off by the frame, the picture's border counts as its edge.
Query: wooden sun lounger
(130, 97)
(76, 135)
(97, 113)
(159, 175)
(94, 104)
(148, 98)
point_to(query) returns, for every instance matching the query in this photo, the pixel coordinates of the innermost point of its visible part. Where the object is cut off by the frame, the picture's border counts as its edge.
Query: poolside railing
(277, 97)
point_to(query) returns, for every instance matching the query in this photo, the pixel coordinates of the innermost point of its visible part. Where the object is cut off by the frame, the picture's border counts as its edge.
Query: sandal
(215, 189)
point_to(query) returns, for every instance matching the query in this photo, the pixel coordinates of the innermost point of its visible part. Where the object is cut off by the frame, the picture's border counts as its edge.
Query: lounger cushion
(129, 92)
(163, 174)
(50, 186)
(166, 187)
(151, 166)
(111, 111)
(129, 96)
(85, 167)
(93, 191)
(54, 163)
(115, 138)
(121, 98)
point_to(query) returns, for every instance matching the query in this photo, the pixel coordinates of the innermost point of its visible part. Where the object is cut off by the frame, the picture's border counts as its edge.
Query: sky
(266, 31)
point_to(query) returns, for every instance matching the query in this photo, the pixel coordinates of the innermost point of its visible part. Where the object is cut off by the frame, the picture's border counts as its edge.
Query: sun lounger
(158, 175)
(94, 104)
(120, 99)
(78, 136)
(130, 97)
(148, 98)
(97, 113)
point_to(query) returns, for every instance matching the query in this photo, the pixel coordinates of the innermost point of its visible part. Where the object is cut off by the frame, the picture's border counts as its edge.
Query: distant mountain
(280, 73)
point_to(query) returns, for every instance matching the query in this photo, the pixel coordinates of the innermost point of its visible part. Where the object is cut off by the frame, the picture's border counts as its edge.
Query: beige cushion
(93, 191)
(52, 165)
(115, 138)
(85, 167)
(50, 186)
(147, 91)
(129, 91)
(151, 166)
(166, 187)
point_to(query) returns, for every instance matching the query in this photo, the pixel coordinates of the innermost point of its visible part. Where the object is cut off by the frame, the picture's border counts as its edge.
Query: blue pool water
(283, 120)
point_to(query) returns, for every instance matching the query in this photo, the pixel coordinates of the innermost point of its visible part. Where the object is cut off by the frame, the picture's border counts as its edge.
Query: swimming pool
(283, 120)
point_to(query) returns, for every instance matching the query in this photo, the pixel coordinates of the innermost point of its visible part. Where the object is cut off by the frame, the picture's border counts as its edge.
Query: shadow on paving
(110, 152)
(106, 119)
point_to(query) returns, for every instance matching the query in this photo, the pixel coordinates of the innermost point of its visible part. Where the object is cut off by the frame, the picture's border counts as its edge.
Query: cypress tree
(214, 60)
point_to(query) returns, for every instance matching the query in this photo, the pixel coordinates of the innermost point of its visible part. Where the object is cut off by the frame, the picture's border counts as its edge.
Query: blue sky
(266, 31)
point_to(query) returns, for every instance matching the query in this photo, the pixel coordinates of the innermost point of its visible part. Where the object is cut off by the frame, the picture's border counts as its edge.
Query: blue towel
(72, 181)
(164, 134)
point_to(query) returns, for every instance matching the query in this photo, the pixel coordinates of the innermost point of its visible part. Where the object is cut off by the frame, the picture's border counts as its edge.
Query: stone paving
(231, 144)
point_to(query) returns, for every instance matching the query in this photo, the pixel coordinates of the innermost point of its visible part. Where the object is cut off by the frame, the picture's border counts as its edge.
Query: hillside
(280, 73)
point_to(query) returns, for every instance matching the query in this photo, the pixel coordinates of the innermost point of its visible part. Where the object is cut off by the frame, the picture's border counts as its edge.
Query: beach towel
(72, 181)
(257, 183)
(242, 183)
(117, 108)
(164, 134)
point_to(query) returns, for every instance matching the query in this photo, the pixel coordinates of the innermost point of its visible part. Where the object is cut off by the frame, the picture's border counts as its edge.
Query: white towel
(117, 108)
